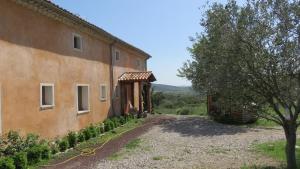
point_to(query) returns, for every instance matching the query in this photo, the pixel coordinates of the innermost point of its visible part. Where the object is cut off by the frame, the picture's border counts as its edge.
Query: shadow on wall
(198, 126)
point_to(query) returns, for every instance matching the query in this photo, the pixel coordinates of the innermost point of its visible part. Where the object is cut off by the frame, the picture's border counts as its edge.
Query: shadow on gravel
(199, 126)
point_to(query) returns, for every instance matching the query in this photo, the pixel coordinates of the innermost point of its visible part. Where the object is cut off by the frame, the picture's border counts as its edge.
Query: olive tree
(250, 54)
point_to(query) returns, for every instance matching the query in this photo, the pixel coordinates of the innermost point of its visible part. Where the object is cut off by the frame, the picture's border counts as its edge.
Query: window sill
(103, 100)
(46, 107)
(77, 49)
(83, 112)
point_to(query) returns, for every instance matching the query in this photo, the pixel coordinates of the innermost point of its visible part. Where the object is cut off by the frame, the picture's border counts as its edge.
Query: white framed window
(117, 55)
(83, 98)
(145, 66)
(103, 92)
(138, 63)
(47, 95)
(77, 42)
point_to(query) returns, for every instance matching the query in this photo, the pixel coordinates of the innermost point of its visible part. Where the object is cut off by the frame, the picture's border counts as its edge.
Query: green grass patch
(156, 158)
(276, 150)
(133, 144)
(128, 149)
(90, 144)
(263, 123)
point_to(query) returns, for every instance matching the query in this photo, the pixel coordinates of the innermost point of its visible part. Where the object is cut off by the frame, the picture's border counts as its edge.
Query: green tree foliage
(157, 98)
(250, 56)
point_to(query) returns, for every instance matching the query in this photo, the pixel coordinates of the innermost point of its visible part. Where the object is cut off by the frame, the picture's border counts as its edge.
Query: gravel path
(195, 142)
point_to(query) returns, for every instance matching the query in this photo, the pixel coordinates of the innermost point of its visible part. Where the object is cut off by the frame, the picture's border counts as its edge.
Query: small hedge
(108, 125)
(34, 154)
(20, 160)
(101, 126)
(116, 121)
(80, 137)
(45, 151)
(122, 120)
(7, 163)
(20, 152)
(183, 111)
(87, 133)
(54, 147)
(93, 131)
(72, 139)
(63, 145)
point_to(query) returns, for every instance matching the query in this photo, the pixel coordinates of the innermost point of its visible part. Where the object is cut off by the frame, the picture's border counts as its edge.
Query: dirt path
(112, 147)
(195, 142)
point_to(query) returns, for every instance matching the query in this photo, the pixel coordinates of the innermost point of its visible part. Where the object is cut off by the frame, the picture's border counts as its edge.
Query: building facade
(59, 73)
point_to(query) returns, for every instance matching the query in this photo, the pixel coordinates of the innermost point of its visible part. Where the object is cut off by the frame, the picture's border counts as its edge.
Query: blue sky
(160, 27)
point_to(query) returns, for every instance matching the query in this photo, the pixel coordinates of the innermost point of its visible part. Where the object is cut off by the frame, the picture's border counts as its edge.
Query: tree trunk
(290, 134)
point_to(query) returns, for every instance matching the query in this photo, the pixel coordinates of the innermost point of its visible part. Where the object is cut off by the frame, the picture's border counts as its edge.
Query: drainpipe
(111, 71)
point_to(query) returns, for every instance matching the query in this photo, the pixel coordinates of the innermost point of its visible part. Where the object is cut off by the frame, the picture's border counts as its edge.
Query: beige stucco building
(59, 73)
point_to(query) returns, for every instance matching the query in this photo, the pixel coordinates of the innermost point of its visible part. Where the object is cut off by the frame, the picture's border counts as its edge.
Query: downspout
(111, 45)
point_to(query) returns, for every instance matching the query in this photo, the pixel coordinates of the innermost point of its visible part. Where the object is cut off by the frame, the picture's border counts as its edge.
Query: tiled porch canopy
(137, 77)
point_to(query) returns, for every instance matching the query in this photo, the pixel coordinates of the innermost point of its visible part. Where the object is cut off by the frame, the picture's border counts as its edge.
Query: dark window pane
(80, 105)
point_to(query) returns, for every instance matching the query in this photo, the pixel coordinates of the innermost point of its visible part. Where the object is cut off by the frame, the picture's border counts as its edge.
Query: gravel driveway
(195, 142)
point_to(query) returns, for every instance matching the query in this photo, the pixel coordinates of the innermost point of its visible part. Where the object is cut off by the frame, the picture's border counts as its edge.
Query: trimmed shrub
(98, 129)
(87, 133)
(63, 145)
(131, 116)
(20, 160)
(54, 147)
(122, 120)
(127, 118)
(101, 127)
(34, 155)
(183, 111)
(10, 150)
(7, 163)
(80, 137)
(111, 124)
(14, 143)
(93, 130)
(13, 136)
(45, 151)
(72, 139)
(116, 121)
(31, 140)
(113, 120)
(108, 125)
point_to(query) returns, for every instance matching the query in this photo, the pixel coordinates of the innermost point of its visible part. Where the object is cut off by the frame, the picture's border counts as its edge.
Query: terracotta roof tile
(137, 76)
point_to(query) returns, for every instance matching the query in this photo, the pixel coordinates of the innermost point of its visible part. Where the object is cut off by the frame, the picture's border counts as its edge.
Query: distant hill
(172, 89)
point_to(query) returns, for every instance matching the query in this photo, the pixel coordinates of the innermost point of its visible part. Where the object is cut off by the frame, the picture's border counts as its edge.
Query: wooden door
(127, 97)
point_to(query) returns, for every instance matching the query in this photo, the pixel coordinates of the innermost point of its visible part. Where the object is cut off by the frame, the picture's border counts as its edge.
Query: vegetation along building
(59, 73)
